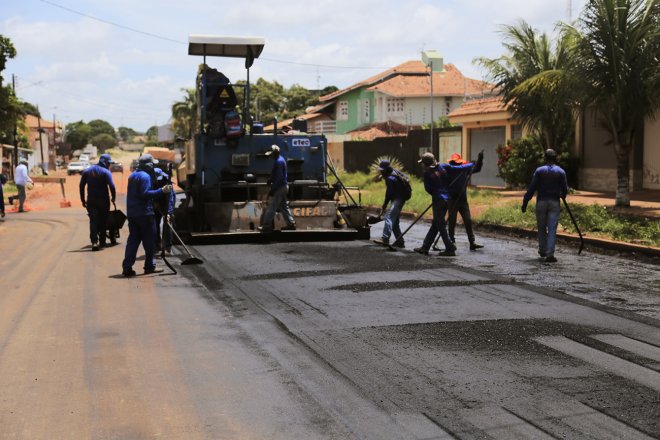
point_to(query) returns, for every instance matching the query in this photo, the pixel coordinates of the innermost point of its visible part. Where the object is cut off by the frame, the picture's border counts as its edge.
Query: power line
(160, 37)
(149, 34)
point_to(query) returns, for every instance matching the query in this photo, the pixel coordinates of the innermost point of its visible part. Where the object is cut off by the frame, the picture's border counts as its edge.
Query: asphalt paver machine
(225, 170)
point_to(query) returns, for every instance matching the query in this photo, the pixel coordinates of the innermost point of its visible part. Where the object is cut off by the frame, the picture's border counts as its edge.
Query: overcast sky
(125, 61)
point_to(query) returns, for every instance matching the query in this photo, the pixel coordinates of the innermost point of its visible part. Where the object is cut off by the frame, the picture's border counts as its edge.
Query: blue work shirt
(394, 188)
(139, 195)
(436, 183)
(98, 180)
(279, 176)
(549, 181)
(458, 175)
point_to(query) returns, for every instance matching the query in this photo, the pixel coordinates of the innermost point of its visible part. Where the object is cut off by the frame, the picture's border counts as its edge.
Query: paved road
(451, 352)
(312, 341)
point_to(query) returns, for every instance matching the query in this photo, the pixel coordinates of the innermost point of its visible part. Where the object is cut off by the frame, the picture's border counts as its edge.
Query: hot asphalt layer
(457, 349)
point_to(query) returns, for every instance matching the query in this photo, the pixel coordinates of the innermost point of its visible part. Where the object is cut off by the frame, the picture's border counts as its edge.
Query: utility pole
(15, 158)
(41, 143)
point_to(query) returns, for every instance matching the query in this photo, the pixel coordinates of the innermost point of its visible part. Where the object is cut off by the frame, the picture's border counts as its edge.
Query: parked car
(76, 167)
(116, 167)
(84, 157)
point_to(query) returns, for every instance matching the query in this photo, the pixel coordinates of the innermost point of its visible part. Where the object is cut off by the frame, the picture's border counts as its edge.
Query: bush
(518, 159)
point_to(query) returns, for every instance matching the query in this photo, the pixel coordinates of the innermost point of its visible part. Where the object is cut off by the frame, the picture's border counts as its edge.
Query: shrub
(518, 159)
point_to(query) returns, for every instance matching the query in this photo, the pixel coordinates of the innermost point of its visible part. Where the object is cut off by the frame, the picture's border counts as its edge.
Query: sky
(126, 61)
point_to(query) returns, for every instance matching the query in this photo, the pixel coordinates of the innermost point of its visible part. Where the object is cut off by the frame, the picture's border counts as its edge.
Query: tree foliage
(184, 115)
(100, 126)
(126, 134)
(103, 141)
(532, 81)
(617, 72)
(77, 134)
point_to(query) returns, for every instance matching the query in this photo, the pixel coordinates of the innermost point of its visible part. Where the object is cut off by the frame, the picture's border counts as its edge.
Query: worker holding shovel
(550, 184)
(459, 172)
(397, 193)
(436, 183)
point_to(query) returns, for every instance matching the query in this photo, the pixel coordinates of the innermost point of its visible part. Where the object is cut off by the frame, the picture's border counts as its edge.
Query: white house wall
(417, 111)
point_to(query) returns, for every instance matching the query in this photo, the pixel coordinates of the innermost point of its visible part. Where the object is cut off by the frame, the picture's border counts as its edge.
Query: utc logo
(300, 143)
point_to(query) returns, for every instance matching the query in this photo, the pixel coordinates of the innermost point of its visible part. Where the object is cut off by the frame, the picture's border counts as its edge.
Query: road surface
(319, 341)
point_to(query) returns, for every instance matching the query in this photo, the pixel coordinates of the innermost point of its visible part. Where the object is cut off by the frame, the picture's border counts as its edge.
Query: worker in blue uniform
(100, 192)
(459, 172)
(437, 185)
(550, 184)
(397, 192)
(278, 192)
(140, 213)
(163, 212)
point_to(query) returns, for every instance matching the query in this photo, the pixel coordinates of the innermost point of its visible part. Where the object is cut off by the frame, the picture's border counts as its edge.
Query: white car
(84, 158)
(76, 167)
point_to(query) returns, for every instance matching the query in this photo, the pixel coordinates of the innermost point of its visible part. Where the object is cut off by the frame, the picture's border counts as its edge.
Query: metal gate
(487, 139)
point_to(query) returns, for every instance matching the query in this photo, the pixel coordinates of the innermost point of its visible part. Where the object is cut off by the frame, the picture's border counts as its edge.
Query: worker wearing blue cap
(100, 192)
(140, 213)
(397, 191)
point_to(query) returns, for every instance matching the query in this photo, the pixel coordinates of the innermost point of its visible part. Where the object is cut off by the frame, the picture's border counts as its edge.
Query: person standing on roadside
(100, 192)
(278, 192)
(458, 173)
(397, 191)
(21, 179)
(140, 213)
(550, 184)
(437, 185)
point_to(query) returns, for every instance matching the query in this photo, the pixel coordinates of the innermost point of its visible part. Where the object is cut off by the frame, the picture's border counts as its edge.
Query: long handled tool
(191, 258)
(570, 214)
(400, 237)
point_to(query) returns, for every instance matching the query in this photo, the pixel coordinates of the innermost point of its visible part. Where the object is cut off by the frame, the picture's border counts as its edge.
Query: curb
(593, 241)
(596, 242)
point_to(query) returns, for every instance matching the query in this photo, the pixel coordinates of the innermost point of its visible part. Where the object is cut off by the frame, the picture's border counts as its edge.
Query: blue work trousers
(439, 224)
(141, 229)
(98, 212)
(392, 220)
(278, 202)
(547, 219)
(458, 204)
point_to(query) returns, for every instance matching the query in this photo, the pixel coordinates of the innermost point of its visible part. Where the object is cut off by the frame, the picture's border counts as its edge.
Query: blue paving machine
(225, 169)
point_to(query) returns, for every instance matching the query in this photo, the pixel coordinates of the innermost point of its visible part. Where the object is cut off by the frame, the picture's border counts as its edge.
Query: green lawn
(593, 220)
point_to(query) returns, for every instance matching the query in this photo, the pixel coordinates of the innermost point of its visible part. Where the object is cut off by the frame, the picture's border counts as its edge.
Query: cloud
(100, 68)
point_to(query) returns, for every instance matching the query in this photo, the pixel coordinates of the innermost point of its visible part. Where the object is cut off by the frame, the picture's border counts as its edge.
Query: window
(342, 111)
(366, 110)
(395, 105)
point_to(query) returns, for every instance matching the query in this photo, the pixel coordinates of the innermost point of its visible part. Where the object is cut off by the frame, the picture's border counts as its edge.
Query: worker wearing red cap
(458, 173)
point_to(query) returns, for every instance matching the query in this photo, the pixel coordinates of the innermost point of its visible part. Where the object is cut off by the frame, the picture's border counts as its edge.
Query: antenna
(569, 10)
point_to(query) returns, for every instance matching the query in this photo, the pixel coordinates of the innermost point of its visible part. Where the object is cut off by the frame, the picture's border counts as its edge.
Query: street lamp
(434, 61)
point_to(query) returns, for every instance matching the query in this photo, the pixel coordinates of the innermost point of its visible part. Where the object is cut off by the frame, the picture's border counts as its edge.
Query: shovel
(389, 246)
(570, 214)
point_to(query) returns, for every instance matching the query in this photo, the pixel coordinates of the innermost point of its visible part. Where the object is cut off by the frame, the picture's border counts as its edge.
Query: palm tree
(184, 114)
(530, 79)
(618, 71)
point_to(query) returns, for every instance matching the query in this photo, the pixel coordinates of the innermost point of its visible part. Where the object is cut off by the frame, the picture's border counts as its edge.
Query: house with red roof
(402, 96)
(487, 123)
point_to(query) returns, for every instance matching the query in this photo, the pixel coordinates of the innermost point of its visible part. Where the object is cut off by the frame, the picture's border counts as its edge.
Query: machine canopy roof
(223, 46)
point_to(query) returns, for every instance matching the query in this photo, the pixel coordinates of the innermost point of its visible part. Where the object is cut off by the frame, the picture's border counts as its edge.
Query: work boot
(447, 253)
(474, 246)
(550, 259)
(128, 273)
(95, 247)
(542, 254)
(399, 244)
(153, 270)
(421, 250)
(381, 242)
